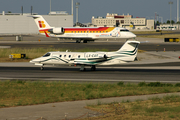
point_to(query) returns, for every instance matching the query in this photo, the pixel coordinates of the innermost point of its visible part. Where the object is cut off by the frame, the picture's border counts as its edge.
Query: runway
(153, 66)
(102, 74)
(110, 46)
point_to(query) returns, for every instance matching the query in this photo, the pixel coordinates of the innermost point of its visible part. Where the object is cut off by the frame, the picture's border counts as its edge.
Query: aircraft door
(116, 33)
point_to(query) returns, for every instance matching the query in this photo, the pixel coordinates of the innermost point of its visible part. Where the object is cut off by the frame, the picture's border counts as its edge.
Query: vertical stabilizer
(129, 50)
(40, 22)
(129, 46)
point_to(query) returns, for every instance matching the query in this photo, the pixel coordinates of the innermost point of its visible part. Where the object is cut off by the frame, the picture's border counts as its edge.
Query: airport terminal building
(126, 21)
(21, 23)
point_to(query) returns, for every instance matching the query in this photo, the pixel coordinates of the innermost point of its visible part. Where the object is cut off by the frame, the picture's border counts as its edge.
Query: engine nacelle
(56, 30)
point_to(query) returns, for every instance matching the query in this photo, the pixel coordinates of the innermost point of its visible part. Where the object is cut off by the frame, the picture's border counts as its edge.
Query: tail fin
(129, 46)
(43, 26)
(40, 22)
(129, 50)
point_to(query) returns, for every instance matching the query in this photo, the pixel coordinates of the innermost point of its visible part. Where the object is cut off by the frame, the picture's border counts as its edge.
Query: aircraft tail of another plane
(43, 26)
(40, 22)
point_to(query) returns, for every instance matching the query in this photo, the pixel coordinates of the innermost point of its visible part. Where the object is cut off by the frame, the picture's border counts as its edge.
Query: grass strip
(17, 93)
(151, 32)
(34, 53)
(165, 108)
(160, 36)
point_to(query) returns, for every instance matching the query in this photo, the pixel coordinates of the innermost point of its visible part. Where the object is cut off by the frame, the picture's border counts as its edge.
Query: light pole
(177, 10)
(50, 8)
(170, 3)
(72, 7)
(77, 3)
(161, 19)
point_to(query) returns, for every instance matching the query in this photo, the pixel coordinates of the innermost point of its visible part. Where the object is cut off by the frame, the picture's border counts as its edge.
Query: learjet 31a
(127, 53)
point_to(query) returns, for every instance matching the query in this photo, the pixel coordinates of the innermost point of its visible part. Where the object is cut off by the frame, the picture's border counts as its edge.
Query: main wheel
(84, 41)
(93, 68)
(42, 68)
(78, 41)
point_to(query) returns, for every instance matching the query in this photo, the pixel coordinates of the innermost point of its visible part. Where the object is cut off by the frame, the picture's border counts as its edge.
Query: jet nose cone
(31, 61)
(133, 35)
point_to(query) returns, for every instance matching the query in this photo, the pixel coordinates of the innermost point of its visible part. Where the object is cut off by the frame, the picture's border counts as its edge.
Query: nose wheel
(42, 68)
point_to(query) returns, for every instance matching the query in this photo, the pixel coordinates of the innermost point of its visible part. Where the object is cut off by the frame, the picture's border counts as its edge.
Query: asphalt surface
(102, 74)
(29, 41)
(152, 67)
(110, 46)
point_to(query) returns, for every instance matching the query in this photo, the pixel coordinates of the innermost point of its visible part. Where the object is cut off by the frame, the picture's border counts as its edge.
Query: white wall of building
(22, 24)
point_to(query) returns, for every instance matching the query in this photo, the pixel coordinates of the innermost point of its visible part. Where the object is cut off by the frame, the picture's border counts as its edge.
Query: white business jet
(127, 53)
(81, 33)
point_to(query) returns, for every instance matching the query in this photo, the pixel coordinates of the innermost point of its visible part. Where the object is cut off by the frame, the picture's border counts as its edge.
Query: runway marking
(87, 80)
(5, 46)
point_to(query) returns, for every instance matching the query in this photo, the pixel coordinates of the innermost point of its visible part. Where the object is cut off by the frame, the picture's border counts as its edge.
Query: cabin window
(106, 31)
(96, 31)
(69, 56)
(124, 30)
(79, 56)
(84, 31)
(64, 55)
(47, 54)
(60, 55)
(71, 31)
(74, 31)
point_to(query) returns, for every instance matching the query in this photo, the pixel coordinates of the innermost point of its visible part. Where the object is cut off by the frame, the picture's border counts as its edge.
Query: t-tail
(43, 26)
(129, 50)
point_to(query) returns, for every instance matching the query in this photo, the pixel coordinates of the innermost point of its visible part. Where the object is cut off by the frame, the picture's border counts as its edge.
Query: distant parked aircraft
(81, 33)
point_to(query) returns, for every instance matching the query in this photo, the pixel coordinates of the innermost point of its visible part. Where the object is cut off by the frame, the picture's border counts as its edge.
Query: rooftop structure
(126, 21)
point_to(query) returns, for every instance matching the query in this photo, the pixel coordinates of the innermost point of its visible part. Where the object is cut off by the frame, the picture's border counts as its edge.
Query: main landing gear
(93, 68)
(79, 41)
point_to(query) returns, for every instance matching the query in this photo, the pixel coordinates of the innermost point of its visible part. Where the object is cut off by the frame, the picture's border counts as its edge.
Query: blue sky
(89, 8)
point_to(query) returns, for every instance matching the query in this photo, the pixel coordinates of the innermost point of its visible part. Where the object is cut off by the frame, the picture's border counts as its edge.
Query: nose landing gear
(42, 68)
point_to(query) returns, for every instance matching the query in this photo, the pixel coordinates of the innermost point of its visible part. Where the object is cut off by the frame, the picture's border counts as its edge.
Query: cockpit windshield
(47, 54)
(124, 30)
